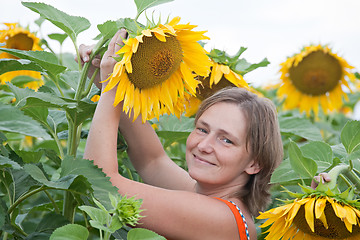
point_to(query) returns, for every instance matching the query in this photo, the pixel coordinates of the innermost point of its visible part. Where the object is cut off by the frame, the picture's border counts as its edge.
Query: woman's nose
(206, 144)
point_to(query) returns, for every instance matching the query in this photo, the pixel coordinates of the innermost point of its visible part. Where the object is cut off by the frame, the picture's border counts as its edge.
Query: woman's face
(216, 149)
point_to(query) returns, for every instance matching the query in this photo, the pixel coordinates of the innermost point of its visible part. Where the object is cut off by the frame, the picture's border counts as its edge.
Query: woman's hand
(108, 62)
(85, 51)
(323, 177)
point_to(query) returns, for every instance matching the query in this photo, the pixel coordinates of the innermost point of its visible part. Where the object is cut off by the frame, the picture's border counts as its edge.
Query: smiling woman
(231, 154)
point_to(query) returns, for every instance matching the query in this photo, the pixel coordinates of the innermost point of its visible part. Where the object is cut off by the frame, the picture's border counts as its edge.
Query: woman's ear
(253, 168)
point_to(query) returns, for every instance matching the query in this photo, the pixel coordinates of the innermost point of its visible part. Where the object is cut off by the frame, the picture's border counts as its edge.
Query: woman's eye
(227, 140)
(202, 130)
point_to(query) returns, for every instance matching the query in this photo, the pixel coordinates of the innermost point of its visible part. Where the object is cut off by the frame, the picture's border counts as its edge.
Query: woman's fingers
(323, 177)
(85, 51)
(108, 61)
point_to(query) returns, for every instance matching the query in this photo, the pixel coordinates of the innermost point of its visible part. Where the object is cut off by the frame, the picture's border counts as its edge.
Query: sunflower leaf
(320, 152)
(142, 233)
(242, 66)
(142, 5)
(46, 60)
(98, 180)
(131, 26)
(305, 167)
(301, 127)
(350, 136)
(71, 232)
(71, 25)
(14, 120)
(8, 65)
(109, 28)
(284, 174)
(58, 37)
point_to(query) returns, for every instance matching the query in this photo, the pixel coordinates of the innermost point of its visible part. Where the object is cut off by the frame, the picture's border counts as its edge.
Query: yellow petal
(309, 213)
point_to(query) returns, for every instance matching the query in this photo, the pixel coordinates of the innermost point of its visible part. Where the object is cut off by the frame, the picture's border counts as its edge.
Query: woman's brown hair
(263, 141)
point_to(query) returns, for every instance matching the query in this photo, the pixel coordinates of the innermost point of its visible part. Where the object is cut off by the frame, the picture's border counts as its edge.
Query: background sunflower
(315, 76)
(16, 37)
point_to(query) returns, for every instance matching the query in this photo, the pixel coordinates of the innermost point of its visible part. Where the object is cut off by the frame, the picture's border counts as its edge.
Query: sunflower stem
(347, 172)
(85, 69)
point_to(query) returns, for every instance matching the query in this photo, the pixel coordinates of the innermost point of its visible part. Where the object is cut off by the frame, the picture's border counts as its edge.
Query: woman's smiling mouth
(202, 161)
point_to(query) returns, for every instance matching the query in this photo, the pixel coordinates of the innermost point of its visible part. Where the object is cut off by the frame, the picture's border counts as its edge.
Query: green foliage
(142, 5)
(70, 232)
(235, 63)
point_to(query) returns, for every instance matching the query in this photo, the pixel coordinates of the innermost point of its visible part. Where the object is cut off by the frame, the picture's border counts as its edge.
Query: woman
(231, 154)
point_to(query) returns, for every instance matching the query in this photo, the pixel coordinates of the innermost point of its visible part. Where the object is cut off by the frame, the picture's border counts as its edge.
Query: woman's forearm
(102, 140)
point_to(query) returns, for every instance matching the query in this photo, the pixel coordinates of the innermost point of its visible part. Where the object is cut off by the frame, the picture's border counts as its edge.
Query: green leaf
(2, 216)
(320, 152)
(30, 156)
(350, 136)
(142, 5)
(46, 60)
(172, 129)
(301, 127)
(36, 173)
(143, 234)
(51, 221)
(7, 162)
(58, 37)
(243, 67)
(8, 65)
(96, 214)
(71, 25)
(70, 232)
(305, 167)
(14, 120)
(78, 111)
(109, 28)
(100, 183)
(284, 174)
(22, 182)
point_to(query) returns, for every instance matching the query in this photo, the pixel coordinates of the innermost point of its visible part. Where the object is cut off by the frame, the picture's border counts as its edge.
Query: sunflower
(317, 218)
(157, 67)
(315, 76)
(319, 214)
(16, 37)
(226, 71)
(221, 76)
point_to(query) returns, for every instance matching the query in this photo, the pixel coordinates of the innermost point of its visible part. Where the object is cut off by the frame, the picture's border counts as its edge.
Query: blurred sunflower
(157, 68)
(16, 37)
(226, 71)
(318, 214)
(315, 76)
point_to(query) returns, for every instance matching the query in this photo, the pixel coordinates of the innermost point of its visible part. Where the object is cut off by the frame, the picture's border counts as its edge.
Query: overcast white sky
(268, 28)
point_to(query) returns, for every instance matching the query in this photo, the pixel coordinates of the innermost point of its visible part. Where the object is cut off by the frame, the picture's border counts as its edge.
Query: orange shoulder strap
(239, 221)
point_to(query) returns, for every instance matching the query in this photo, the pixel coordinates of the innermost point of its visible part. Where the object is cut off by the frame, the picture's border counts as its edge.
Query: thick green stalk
(74, 128)
(347, 172)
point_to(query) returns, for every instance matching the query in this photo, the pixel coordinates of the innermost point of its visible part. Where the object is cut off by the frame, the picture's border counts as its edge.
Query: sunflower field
(47, 100)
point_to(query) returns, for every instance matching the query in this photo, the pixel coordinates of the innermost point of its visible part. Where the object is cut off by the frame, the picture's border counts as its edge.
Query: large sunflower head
(157, 67)
(316, 214)
(226, 71)
(315, 76)
(16, 37)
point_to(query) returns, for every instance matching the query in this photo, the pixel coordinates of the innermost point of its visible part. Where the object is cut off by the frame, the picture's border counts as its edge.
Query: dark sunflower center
(155, 61)
(316, 74)
(20, 41)
(204, 91)
(336, 229)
